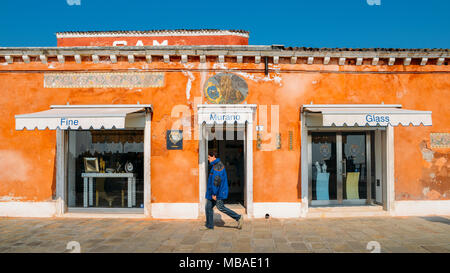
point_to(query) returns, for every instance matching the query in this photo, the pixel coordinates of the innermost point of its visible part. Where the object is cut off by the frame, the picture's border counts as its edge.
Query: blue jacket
(217, 181)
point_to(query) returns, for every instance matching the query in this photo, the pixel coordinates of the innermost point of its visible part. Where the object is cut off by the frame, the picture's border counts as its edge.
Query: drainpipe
(266, 65)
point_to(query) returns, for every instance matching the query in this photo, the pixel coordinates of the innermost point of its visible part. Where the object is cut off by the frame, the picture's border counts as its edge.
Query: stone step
(349, 211)
(345, 208)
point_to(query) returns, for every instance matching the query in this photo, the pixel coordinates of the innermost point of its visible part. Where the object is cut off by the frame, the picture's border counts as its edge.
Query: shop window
(105, 169)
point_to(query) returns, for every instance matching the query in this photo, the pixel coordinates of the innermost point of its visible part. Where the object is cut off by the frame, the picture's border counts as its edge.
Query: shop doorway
(228, 142)
(220, 123)
(342, 169)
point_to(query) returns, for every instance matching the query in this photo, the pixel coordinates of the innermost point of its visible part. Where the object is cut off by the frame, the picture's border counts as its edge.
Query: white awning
(85, 117)
(364, 115)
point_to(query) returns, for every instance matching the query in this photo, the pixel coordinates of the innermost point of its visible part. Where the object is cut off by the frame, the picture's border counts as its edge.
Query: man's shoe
(240, 222)
(203, 228)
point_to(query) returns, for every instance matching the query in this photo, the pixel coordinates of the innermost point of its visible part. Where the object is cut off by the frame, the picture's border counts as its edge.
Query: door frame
(246, 113)
(240, 130)
(339, 170)
(248, 167)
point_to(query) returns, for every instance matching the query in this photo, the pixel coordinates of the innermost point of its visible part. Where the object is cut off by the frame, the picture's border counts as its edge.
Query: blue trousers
(221, 207)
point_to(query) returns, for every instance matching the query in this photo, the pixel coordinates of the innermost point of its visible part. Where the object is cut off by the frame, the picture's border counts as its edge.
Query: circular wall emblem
(226, 88)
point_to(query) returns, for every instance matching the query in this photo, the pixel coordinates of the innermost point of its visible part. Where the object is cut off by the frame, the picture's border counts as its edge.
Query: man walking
(217, 191)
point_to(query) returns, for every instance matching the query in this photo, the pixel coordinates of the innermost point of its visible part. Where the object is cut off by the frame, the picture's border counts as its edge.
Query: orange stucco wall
(28, 157)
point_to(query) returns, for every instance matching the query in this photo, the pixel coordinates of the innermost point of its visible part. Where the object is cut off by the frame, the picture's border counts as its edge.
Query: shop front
(349, 151)
(300, 130)
(102, 156)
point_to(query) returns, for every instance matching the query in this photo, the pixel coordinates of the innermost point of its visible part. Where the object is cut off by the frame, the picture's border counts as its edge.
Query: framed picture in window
(91, 165)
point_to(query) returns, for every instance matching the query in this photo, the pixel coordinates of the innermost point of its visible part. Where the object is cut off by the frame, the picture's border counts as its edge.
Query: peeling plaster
(427, 154)
(434, 173)
(189, 83)
(203, 77)
(9, 198)
(276, 78)
(190, 79)
(219, 66)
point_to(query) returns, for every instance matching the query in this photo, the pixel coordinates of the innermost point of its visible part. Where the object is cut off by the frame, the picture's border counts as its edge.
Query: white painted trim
(26, 59)
(29, 209)
(359, 61)
(346, 211)
(249, 169)
(147, 163)
(378, 167)
(390, 178)
(424, 61)
(277, 209)
(9, 59)
(202, 167)
(61, 177)
(375, 61)
(304, 165)
(175, 210)
(391, 61)
(293, 60)
(103, 215)
(423, 207)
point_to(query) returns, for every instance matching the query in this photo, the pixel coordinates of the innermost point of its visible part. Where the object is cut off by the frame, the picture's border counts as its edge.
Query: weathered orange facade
(421, 172)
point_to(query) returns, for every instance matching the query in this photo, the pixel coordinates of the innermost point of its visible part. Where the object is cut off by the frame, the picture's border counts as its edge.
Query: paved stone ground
(394, 234)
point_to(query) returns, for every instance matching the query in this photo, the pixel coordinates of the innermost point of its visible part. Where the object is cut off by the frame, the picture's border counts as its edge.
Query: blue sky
(312, 23)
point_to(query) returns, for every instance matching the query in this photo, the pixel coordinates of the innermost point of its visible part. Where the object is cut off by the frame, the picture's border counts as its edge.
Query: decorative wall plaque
(440, 140)
(174, 139)
(226, 88)
(103, 80)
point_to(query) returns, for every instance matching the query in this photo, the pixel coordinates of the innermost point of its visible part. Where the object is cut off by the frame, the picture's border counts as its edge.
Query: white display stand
(88, 186)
